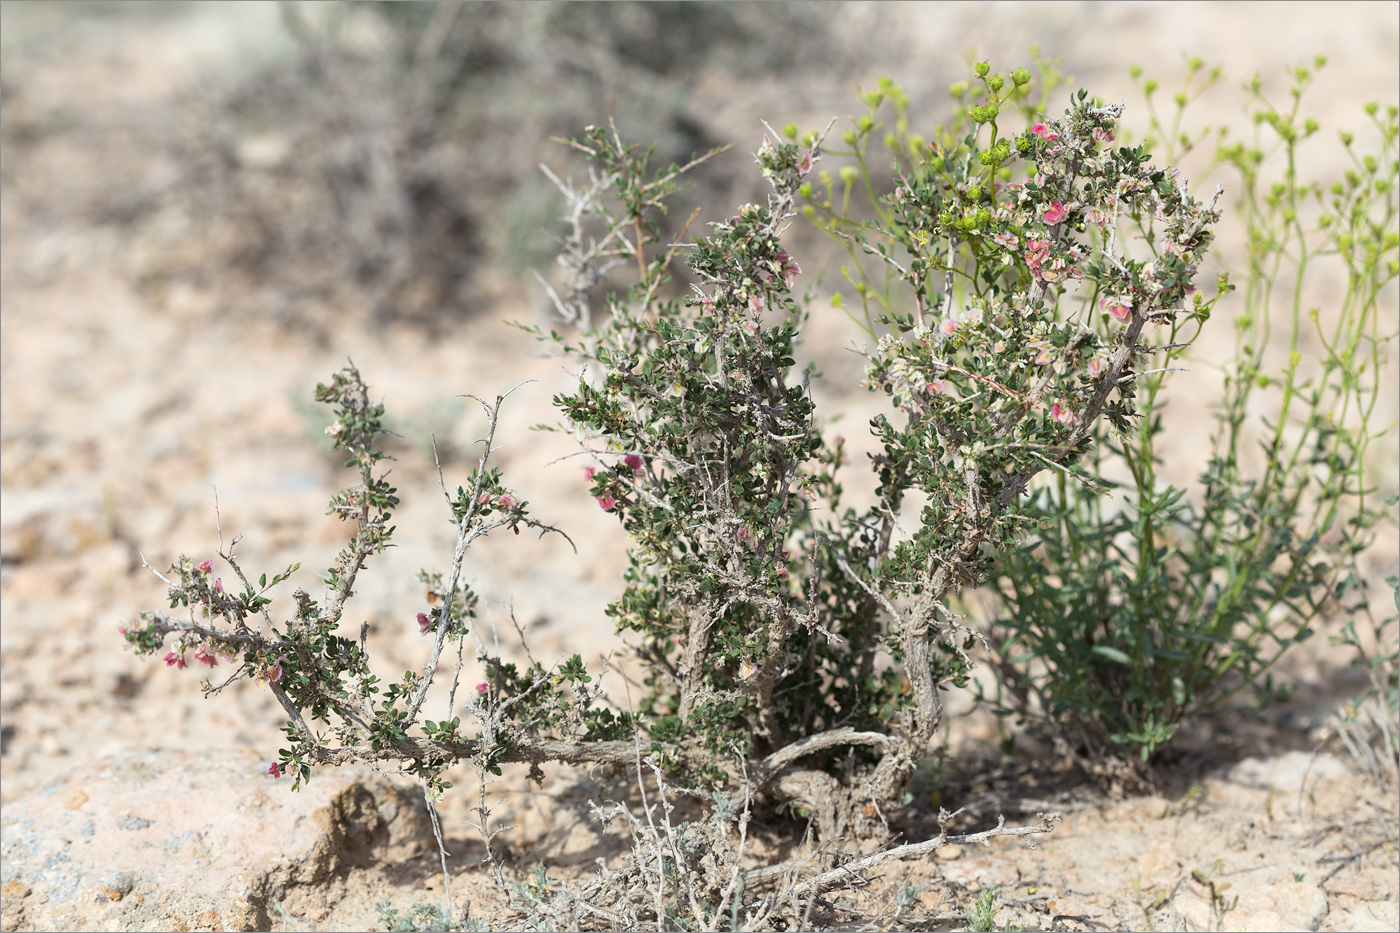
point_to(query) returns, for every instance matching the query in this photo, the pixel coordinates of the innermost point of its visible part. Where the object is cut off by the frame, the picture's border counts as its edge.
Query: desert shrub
(389, 161)
(1132, 607)
(1122, 620)
(795, 644)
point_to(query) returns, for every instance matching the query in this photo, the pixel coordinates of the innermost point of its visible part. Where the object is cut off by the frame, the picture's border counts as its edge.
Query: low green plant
(981, 914)
(1135, 604)
(422, 917)
(1123, 618)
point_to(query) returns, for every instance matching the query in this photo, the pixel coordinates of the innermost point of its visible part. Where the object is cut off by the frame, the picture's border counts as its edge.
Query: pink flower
(756, 304)
(1061, 413)
(481, 689)
(425, 624)
(176, 660)
(275, 770)
(788, 267)
(274, 674)
(207, 566)
(1008, 240)
(507, 501)
(949, 327)
(1103, 135)
(634, 462)
(805, 165)
(219, 584)
(606, 502)
(747, 669)
(1044, 131)
(935, 387)
(1055, 213)
(1036, 251)
(1097, 367)
(901, 193)
(483, 499)
(203, 656)
(1120, 308)
(588, 473)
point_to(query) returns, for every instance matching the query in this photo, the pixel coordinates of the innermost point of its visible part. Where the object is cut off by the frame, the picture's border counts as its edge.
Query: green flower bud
(866, 124)
(1020, 77)
(849, 137)
(982, 68)
(790, 131)
(996, 82)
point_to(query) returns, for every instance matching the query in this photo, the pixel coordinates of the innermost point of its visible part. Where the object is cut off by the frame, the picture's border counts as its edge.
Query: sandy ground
(133, 390)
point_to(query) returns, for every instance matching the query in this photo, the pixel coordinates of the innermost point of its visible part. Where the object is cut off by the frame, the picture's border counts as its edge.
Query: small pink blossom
(507, 501)
(1055, 213)
(275, 770)
(483, 499)
(1097, 367)
(804, 165)
(1103, 135)
(948, 327)
(274, 674)
(1120, 308)
(481, 689)
(747, 669)
(935, 387)
(756, 304)
(606, 502)
(425, 624)
(204, 656)
(1060, 412)
(1007, 239)
(176, 660)
(1044, 131)
(1098, 216)
(634, 462)
(589, 472)
(207, 566)
(218, 584)
(788, 268)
